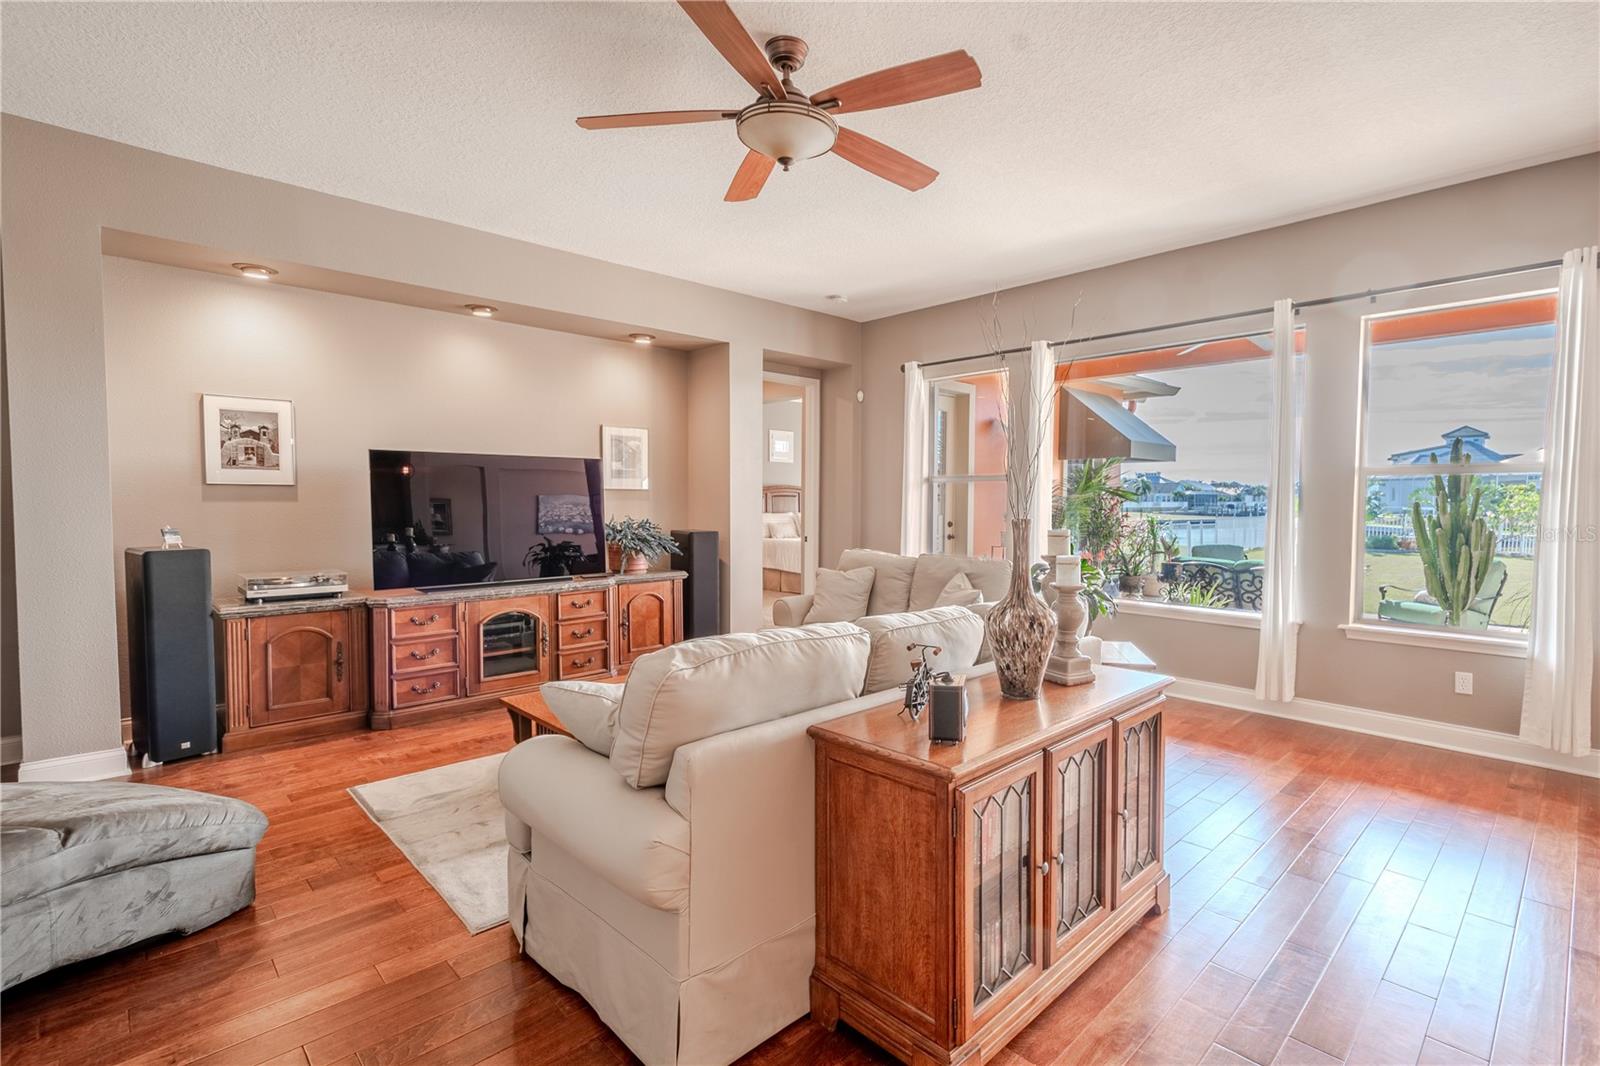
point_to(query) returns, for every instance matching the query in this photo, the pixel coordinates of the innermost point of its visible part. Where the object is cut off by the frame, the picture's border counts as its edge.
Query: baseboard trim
(1461, 738)
(10, 750)
(88, 766)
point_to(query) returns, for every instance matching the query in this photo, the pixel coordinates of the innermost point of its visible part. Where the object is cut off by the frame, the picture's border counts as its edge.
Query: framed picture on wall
(625, 457)
(780, 446)
(441, 522)
(246, 440)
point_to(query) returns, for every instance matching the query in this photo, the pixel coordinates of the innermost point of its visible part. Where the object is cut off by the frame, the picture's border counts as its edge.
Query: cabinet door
(300, 666)
(1077, 839)
(647, 618)
(1000, 904)
(508, 644)
(1138, 791)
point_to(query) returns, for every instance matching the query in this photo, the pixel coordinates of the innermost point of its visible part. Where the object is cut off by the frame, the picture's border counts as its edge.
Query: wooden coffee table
(530, 717)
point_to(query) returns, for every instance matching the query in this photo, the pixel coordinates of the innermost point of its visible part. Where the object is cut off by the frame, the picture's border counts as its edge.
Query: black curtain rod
(1298, 304)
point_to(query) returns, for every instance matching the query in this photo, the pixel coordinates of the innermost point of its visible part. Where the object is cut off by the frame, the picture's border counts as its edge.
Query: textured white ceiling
(1102, 131)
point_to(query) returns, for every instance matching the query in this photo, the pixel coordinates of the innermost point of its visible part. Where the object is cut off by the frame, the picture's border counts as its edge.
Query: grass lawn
(1405, 570)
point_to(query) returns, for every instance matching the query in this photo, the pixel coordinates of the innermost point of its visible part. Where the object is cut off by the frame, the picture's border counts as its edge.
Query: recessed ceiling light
(837, 297)
(254, 270)
(642, 338)
(482, 310)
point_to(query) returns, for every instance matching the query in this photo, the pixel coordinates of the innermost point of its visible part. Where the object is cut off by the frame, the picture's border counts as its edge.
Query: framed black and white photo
(247, 441)
(441, 523)
(780, 446)
(625, 457)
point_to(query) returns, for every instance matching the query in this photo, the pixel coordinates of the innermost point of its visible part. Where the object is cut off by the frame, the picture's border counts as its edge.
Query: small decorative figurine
(922, 676)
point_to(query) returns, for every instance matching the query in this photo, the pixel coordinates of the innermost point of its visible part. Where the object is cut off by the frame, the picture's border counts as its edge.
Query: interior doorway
(790, 437)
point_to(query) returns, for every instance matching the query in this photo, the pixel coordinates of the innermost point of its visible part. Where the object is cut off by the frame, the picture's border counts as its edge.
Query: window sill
(1186, 613)
(1483, 644)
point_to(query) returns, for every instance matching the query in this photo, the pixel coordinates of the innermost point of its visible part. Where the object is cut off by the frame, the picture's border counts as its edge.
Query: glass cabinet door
(1138, 795)
(1077, 833)
(999, 836)
(509, 644)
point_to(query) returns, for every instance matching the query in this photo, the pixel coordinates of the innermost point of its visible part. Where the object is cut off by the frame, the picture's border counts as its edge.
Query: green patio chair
(1414, 611)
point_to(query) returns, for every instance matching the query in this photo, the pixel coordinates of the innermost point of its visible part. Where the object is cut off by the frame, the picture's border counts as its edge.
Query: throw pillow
(588, 709)
(955, 630)
(841, 595)
(959, 593)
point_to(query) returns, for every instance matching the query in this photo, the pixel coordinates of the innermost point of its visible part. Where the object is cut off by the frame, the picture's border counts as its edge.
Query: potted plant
(1151, 586)
(633, 544)
(553, 559)
(1097, 601)
(1171, 568)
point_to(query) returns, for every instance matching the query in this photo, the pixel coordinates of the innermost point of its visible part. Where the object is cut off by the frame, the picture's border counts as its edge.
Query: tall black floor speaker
(171, 662)
(702, 589)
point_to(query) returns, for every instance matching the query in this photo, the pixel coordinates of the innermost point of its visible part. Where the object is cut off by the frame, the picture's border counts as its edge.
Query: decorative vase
(1151, 586)
(613, 559)
(1021, 629)
(634, 563)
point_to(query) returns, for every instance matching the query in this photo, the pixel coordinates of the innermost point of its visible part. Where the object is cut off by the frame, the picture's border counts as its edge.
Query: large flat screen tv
(448, 518)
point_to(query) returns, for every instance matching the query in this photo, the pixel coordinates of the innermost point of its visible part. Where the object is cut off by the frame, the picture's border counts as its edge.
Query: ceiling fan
(785, 125)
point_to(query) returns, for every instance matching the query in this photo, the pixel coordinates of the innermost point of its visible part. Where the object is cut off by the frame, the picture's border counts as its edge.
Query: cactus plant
(1455, 541)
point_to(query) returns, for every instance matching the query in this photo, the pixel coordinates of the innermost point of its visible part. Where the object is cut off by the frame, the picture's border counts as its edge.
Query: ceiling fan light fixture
(787, 130)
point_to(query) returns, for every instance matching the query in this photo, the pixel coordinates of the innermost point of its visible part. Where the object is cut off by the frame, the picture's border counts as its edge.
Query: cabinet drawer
(423, 654)
(583, 663)
(417, 621)
(580, 604)
(414, 689)
(581, 633)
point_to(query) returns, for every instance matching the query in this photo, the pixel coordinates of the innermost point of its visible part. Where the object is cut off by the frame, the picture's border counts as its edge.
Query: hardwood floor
(1336, 898)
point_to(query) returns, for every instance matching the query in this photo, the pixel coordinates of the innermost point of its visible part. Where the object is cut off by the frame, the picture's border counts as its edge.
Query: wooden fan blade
(750, 177)
(651, 118)
(878, 158)
(952, 72)
(728, 36)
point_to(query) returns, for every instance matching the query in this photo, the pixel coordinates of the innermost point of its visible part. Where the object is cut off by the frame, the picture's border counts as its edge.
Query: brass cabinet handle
(428, 621)
(544, 642)
(588, 632)
(338, 661)
(423, 691)
(420, 656)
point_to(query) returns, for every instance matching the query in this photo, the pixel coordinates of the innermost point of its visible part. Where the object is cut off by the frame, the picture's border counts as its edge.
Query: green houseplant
(553, 558)
(635, 543)
(1455, 541)
(1089, 503)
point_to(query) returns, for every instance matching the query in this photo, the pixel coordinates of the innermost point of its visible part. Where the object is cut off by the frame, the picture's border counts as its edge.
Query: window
(1180, 431)
(1452, 435)
(967, 456)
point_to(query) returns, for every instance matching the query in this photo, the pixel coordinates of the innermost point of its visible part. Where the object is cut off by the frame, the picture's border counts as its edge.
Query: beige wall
(1520, 217)
(362, 374)
(61, 190)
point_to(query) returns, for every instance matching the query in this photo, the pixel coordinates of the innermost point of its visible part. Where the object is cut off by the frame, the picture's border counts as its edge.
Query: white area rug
(448, 821)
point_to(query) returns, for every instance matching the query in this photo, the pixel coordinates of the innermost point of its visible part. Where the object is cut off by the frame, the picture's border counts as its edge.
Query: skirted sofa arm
(791, 610)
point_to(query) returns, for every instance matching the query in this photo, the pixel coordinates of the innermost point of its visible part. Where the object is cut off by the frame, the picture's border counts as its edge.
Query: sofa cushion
(891, 582)
(956, 630)
(933, 573)
(630, 837)
(713, 684)
(57, 834)
(959, 593)
(841, 595)
(587, 708)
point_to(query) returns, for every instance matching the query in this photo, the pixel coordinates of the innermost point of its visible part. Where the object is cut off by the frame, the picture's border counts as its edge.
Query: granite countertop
(236, 607)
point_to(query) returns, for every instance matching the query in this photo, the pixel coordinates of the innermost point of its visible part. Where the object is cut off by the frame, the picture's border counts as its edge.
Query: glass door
(1138, 792)
(999, 841)
(509, 644)
(1077, 834)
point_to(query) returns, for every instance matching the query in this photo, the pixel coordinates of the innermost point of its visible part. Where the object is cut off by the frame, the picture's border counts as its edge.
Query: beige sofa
(683, 909)
(908, 582)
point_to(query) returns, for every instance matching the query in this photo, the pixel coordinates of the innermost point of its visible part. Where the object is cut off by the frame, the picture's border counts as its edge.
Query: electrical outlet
(1463, 683)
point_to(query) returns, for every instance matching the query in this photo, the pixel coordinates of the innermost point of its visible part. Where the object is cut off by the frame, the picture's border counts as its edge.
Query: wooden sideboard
(294, 670)
(961, 888)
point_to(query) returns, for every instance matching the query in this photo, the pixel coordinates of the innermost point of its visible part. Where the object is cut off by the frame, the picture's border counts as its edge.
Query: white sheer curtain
(1280, 609)
(1566, 590)
(914, 464)
(1042, 368)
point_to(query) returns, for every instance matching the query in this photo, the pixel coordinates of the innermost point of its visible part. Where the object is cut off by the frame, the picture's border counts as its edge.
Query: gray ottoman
(86, 868)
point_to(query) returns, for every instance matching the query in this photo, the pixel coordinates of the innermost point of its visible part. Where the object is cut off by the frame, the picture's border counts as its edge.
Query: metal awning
(1097, 426)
